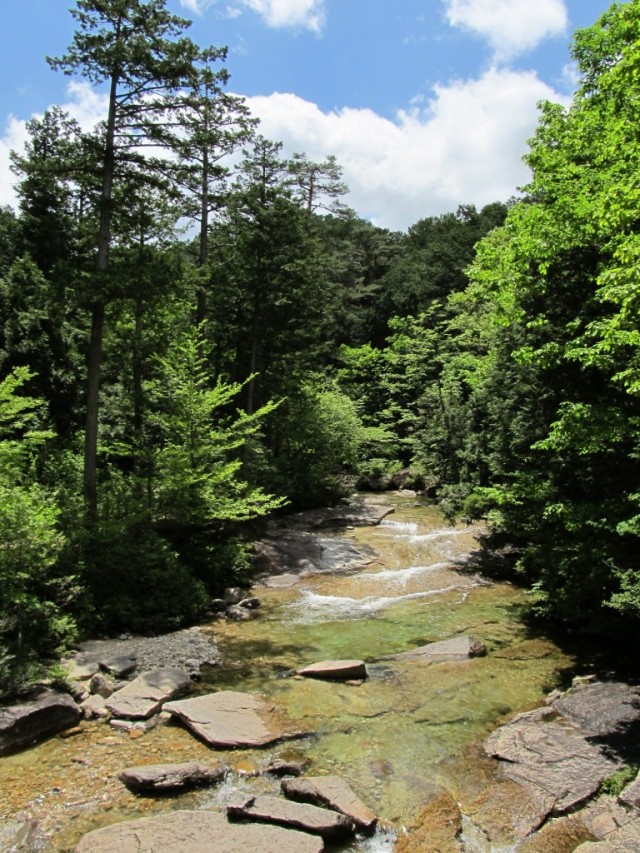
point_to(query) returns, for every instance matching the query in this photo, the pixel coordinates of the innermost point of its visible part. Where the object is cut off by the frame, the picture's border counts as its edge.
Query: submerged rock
(196, 832)
(335, 670)
(231, 719)
(287, 767)
(171, 777)
(436, 828)
(334, 793)
(328, 824)
(146, 695)
(46, 714)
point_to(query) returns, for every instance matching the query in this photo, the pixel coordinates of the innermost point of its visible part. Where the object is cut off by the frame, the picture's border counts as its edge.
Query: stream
(398, 739)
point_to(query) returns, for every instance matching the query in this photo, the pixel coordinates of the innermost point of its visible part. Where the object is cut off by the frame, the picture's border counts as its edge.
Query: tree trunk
(97, 315)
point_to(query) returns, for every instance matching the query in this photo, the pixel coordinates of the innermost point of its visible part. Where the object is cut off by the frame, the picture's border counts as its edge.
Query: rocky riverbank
(556, 778)
(541, 781)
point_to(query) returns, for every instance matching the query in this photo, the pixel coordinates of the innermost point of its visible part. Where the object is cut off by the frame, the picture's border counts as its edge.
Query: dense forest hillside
(188, 347)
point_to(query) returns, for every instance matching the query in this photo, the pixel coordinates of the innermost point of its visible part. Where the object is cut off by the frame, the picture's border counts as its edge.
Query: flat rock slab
(146, 695)
(298, 552)
(48, 713)
(231, 719)
(196, 832)
(355, 513)
(626, 839)
(335, 670)
(602, 707)
(631, 795)
(171, 777)
(333, 793)
(552, 758)
(328, 824)
(119, 666)
(457, 648)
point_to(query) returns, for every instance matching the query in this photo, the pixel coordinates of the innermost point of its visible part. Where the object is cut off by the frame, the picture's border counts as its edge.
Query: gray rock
(152, 652)
(602, 707)
(171, 777)
(335, 670)
(631, 794)
(94, 706)
(238, 613)
(120, 666)
(328, 824)
(145, 696)
(552, 757)
(232, 719)
(196, 832)
(18, 836)
(82, 666)
(333, 793)
(287, 767)
(46, 714)
(250, 603)
(100, 685)
(457, 648)
(299, 553)
(234, 595)
(625, 839)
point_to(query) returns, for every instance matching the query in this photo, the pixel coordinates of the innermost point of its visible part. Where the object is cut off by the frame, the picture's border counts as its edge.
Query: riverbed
(397, 738)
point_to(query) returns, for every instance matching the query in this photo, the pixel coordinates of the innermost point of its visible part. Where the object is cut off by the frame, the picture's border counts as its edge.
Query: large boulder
(333, 793)
(46, 714)
(231, 719)
(552, 758)
(196, 832)
(328, 824)
(603, 708)
(146, 695)
(150, 778)
(457, 648)
(335, 670)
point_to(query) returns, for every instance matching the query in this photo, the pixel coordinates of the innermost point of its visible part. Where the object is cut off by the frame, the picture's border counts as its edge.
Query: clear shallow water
(392, 738)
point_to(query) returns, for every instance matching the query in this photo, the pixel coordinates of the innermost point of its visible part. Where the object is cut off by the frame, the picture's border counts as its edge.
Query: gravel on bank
(172, 649)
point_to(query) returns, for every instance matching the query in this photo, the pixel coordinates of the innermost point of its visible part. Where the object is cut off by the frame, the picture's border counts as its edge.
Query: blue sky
(427, 104)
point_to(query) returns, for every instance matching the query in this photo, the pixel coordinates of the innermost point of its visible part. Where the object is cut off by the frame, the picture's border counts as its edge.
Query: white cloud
(84, 104)
(510, 26)
(13, 140)
(465, 146)
(194, 6)
(296, 14)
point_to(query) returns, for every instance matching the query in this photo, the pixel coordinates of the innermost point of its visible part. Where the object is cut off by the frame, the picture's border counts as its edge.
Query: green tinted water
(391, 737)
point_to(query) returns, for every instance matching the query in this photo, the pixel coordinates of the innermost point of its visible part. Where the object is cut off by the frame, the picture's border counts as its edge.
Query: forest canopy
(164, 389)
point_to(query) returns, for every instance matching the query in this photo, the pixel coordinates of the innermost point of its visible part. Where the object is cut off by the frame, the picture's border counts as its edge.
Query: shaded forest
(196, 333)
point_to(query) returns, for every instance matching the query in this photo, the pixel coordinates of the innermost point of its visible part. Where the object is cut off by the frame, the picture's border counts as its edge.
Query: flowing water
(392, 738)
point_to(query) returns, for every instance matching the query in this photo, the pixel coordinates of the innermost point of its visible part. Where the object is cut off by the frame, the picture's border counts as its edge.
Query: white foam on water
(401, 576)
(382, 841)
(312, 607)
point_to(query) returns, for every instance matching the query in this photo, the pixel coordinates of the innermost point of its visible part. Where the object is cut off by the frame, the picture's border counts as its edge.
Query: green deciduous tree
(562, 282)
(35, 618)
